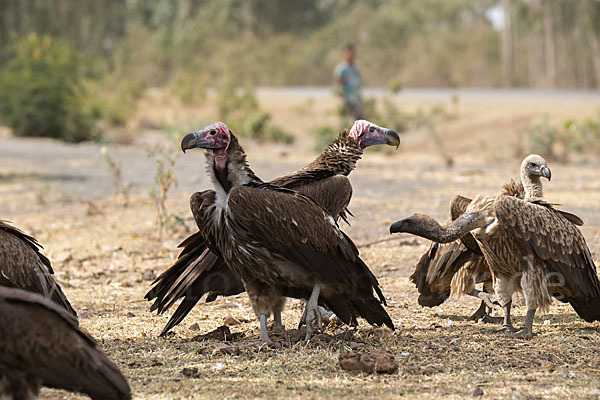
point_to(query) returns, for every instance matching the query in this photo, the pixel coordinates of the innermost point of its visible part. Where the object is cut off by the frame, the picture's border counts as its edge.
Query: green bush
(42, 92)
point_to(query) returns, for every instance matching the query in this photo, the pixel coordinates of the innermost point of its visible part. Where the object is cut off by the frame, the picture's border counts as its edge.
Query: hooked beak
(392, 138)
(545, 171)
(189, 142)
(396, 227)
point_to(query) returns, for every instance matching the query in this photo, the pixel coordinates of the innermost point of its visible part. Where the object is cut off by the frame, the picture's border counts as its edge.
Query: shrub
(42, 92)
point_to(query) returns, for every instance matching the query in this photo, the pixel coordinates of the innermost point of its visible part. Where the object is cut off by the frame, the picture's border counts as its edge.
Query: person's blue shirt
(349, 75)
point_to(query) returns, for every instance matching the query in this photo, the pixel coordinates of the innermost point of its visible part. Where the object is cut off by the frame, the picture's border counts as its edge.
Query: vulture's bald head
(534, 167)
(215, 137)
(366, 134)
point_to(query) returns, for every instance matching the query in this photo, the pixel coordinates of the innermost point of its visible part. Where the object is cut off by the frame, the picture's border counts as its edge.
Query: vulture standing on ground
(41, 345)
(278, 242)
(529, 246)
(458, 266)
(198, 270)
(22, 266)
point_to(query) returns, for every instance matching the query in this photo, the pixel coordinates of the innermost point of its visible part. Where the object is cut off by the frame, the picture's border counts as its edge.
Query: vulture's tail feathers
(372, 310)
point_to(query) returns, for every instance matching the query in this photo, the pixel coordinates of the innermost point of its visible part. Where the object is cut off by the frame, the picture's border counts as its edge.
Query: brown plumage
(22, 266)
(456, 267)
(198, 271)
(279, 242)
(42, 346)
(528, 245)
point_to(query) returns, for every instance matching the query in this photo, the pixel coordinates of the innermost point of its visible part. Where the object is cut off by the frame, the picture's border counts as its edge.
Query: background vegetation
(115, 49)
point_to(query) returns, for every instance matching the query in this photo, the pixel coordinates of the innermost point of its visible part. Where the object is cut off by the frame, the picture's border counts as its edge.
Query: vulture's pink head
(215, 137)
(367, 134)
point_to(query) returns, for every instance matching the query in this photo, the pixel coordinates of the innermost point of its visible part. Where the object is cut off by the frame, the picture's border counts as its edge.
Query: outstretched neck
(428, 228)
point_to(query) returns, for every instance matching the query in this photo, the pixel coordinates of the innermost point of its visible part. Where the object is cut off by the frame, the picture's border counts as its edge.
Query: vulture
(279, 242)
(528, 245)
(22, 266)
(42, 346)
(458, 266)
(198, 270)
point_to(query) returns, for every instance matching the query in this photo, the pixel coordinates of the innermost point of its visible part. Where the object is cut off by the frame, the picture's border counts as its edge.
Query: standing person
(347, 76)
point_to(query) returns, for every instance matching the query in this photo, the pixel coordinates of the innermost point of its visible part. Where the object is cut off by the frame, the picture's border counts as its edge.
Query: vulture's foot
(325, 315)
(488, 319)
(277, 324)
(489, 299)
(523, 333)
(312, 312)
(479, 314)
(506, 328)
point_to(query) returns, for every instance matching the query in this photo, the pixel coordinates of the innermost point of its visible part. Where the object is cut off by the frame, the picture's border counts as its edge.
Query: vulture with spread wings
(42, 346)
(22, 266)
(198, 271)
(278, 242)
(528, 245)
(458, 266)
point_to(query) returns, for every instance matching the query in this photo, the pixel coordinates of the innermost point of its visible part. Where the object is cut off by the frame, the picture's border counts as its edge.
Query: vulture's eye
(213, 132)
(371, 129)
(531, 164)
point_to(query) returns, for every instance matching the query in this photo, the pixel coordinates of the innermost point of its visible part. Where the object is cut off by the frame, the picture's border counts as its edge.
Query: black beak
(395, 227)
(392, 138)
(188, 142)
(545, 171)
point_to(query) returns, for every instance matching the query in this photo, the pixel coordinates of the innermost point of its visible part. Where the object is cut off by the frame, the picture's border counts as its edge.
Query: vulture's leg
(480, 313)
(277, 324)
(325, 315)
(527, 331)
(312, 311)
(504, 287)
(264, 335)
(483, 312)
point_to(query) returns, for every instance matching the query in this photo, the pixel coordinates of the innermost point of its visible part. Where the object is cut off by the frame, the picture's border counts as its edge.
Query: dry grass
(101, 250)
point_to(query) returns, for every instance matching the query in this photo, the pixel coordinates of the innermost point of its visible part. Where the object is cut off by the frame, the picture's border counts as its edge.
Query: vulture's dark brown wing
(42, 340)
(437, 267)
(560, 245)
(197, 272)
(293, 228)
(22, 266)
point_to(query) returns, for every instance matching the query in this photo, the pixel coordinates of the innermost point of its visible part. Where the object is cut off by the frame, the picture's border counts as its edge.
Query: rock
(194, 327)
(477, 391)
(148, 275)
(222, 333)
(379, 361)
(190, 372)
(231, 321)
(130, 315)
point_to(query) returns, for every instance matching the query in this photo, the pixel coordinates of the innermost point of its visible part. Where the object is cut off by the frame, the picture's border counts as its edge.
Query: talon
(522, 334)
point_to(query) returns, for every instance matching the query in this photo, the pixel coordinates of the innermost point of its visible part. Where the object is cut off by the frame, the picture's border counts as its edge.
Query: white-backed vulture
(456, 267)
(22, 266)
(41, 345)
(279, 242)
(198, 270)
(528, 245)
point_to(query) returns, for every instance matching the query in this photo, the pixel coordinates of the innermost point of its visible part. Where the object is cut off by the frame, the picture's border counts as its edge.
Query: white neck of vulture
(533, 186)
(235, 173)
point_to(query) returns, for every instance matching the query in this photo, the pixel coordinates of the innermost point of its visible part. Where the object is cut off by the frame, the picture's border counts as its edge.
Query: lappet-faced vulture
(528, 245)
(279, 242)
(22, 266)
(198, 270)
(41, 345)
(456, 267)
